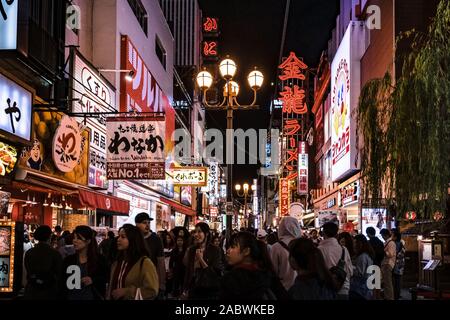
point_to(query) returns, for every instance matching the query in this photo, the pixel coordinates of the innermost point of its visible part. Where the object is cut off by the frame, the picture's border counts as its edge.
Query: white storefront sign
(15, 109)
(345, 89)
(135, 148)
(8, 24)
(95, 95)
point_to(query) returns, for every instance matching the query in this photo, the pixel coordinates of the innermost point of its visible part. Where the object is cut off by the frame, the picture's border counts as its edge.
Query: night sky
(251, 33)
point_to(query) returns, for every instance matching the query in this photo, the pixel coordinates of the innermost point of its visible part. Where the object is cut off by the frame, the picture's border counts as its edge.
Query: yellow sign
(189, 176)
(40, 156)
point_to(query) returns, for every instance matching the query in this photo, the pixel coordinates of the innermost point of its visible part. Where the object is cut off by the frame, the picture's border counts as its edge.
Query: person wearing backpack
(314, 281)
(337, 260)
(388, 264)
(399, 266)
(288, 230)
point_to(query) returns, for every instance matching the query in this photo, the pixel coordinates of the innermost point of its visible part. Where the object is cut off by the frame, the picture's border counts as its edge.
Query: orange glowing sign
(210, 25)
(209, 48)
(292, 68)
(293, 100)
(284, 197)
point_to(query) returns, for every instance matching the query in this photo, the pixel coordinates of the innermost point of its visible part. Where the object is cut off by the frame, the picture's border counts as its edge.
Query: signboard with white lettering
(15, 110)
(8, 24)
(95, 95)
(135, 148)
(303, 170)
(213, 182)
(349, 194)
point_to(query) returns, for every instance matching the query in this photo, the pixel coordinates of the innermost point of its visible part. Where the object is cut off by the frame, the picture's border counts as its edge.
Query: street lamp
(244, 193)
(129, 73)
(228, 69)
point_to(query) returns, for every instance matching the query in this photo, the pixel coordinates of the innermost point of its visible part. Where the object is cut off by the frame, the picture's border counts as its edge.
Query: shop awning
(97, 200)
(179, 207)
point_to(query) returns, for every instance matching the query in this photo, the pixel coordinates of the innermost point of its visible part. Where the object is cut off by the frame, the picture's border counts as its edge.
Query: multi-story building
(362, 47)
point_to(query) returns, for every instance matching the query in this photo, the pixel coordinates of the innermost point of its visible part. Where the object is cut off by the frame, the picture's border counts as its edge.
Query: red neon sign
(209, 48)
(292, 68)
(210, 25)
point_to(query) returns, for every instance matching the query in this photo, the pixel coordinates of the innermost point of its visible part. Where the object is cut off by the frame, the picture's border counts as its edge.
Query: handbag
(338, 273)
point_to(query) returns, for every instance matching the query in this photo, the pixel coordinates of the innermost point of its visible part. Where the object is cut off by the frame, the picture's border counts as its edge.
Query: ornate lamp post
(244, 193)
(229, 103)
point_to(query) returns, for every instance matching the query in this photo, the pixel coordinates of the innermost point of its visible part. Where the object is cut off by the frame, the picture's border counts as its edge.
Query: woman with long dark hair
(133, 274)
(313, 281)
(203, 266)
(364, 255)
(92, 267)
(346, 240)
(251, 276)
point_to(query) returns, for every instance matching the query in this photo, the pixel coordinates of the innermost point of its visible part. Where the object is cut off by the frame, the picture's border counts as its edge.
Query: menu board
(6, 255)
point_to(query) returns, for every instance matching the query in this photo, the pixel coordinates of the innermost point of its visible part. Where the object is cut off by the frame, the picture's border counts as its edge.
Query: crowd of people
(137, 263)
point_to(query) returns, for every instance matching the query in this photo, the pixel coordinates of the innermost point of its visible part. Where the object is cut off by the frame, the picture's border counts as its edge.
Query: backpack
(338, 273)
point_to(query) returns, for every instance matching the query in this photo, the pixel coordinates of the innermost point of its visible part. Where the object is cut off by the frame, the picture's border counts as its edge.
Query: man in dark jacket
(43, 266)
(154, 246)
(377, 246)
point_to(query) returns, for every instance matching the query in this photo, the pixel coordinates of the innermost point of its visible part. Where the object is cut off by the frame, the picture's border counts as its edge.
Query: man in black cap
(154, 246)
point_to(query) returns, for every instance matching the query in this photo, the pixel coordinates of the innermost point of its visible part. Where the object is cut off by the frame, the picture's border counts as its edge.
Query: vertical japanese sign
(213, 182)
(294, 106)
(8, 24)
(284, 198)
(135, 148)
(95, 95)
(210, 44)
(143, 93)
(7, 240)
(15, 110)
(345, 89)
(303, 170)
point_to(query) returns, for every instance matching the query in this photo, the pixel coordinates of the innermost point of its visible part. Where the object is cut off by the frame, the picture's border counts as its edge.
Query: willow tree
(405, 126)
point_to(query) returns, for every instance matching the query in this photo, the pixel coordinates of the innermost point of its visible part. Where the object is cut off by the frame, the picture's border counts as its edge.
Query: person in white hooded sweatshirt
(332, 253)
(288, 230)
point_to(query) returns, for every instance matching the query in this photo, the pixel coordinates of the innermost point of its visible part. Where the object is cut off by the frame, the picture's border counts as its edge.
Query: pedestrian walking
(377, 246)
(289, 230)
(94, 273)
(336, 257)
(204, 266)
(251, 276)
(169, 245)
(397, 272)
(388, 263)
(154, 247)
(313, 281)
(43, 266)
(67, 247)
(133, 275)
(346, 240)
(177, 269)
(364, 254)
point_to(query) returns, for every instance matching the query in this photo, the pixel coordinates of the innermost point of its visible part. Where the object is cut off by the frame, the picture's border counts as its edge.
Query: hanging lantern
(438, 216)
(410, 215)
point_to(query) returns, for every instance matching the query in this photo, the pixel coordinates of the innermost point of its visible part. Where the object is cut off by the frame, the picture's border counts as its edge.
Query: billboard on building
(135, 148)
(345, 89)
(91, 93)
(60, 147)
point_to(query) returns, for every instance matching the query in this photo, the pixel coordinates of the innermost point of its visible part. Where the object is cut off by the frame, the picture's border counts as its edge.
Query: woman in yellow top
(133, 269)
